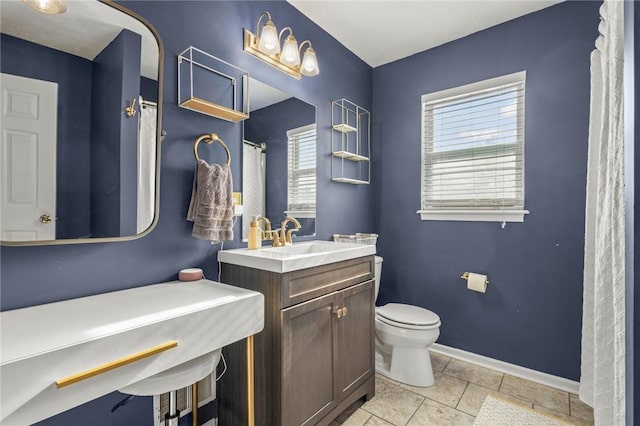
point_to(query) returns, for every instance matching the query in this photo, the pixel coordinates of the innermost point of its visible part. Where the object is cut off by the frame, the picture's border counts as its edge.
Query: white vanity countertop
(295, 257)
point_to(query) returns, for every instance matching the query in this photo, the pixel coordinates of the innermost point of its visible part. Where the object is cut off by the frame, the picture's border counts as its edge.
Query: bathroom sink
(175, 378)
(295, 257)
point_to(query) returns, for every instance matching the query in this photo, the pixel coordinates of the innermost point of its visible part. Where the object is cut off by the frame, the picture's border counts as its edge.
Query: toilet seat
(407, 316)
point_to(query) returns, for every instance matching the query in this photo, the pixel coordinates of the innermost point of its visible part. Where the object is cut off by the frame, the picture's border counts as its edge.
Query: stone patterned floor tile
(562, 416)
(474, 397)
(545, 396)
(579, 409)
(432, 413)
(358, 418)
(446, 390)
(377, 421)
(392, 403)
(383, 377)
(474, 373)
(438, 361)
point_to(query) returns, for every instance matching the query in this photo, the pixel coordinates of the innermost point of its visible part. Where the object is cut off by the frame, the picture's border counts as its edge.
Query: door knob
(45, 218)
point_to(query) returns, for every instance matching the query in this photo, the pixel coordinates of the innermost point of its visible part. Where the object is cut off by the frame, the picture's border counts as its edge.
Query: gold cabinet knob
(338, 313)
(45, 218)
(344, 311)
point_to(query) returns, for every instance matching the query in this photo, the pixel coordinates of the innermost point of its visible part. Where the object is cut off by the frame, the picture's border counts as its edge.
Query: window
(473, 152)
(301, 187)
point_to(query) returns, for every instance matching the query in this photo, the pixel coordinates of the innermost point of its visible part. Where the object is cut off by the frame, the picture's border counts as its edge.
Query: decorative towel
(211, 207)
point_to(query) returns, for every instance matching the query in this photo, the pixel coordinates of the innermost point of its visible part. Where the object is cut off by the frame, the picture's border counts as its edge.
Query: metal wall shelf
(211, 86)
(350, 143)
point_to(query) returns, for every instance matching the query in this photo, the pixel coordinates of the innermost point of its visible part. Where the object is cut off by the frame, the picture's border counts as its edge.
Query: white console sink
(180, 327)
(295, 257)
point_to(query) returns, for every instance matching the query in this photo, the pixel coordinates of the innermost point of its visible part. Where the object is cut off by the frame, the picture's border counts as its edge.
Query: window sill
(474, 215)
(300, 214)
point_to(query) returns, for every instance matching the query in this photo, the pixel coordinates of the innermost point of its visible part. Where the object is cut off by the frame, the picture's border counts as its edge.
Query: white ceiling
(382, 31)
(84, 30)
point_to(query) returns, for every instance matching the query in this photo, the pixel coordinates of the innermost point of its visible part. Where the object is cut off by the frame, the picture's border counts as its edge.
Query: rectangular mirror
(279, 159)
(80, 116)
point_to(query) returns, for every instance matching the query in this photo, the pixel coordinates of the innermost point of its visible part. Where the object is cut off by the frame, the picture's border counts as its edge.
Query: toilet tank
(378, 273)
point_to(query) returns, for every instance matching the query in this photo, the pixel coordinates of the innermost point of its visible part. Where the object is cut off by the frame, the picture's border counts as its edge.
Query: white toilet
(403, 336)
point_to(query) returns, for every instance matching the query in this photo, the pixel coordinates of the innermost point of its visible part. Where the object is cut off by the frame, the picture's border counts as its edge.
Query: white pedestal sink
(142, 341)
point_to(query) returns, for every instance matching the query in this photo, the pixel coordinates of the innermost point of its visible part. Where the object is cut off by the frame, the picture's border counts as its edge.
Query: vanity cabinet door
(355, 337)
(309, 354)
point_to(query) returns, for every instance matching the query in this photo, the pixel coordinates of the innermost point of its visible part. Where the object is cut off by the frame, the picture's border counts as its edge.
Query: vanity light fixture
(269, 42)
(265, 45)
(51, 7)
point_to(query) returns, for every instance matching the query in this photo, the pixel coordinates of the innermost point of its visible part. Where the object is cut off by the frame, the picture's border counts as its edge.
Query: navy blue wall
(73, 75)
(270, 125)
(531, 313)
(113, 153)
(64, 272)
(148, 89)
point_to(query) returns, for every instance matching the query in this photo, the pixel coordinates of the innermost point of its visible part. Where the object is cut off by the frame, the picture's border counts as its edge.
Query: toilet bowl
(403, 336)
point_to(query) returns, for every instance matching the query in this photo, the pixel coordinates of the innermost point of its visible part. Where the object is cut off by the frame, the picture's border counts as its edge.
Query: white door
(28, 174)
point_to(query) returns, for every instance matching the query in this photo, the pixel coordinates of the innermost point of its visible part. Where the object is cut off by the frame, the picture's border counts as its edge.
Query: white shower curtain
(146, 165)
(253, 185)
(602, 382)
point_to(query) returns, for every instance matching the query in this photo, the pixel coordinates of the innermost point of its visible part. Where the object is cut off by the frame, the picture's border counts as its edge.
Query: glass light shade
(309, 63)
(269, 42)
(52, 7)
(290, 55)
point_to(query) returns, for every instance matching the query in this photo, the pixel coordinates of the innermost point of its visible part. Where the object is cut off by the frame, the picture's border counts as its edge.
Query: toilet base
(411, 366)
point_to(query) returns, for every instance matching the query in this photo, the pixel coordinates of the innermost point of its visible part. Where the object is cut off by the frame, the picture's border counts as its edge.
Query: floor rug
(499, 412)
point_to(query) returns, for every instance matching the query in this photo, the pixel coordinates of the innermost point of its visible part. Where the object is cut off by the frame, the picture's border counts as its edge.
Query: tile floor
(456, 397)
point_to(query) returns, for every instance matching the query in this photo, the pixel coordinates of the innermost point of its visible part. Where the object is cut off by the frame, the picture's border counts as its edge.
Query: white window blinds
(301, 187)
(473, 151)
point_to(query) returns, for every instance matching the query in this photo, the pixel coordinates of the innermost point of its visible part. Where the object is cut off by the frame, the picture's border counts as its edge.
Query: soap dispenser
(255, 234)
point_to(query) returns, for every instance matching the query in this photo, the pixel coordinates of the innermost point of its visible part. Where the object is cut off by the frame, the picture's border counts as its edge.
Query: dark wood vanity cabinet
(315, 356)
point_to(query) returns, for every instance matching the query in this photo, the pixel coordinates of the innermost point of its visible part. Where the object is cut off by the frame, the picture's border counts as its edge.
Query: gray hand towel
(211, 207)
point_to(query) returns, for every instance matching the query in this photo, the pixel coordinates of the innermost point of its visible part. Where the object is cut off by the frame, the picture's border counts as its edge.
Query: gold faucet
(268, 234)
(285, 236)
(267, 226)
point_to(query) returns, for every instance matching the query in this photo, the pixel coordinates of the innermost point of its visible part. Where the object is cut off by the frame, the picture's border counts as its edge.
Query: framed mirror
(81, 97)
(279, 159)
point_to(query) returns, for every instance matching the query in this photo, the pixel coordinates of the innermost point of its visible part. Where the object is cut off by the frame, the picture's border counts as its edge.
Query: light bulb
(309, 63)
(290, 55)
(52, 7)
(269, 42)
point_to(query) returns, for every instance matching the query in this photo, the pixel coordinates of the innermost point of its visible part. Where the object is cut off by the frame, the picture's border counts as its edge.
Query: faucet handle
(276, 239)
(289, 236)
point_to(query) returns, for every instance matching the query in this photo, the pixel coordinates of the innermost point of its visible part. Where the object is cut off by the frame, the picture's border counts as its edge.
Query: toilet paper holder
(465, 276)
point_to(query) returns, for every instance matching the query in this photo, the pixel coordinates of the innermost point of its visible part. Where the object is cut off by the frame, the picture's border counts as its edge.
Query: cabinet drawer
(306, 284)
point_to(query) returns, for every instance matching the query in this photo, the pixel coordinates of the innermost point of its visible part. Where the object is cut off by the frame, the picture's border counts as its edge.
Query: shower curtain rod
(149, 103)
(262, 146)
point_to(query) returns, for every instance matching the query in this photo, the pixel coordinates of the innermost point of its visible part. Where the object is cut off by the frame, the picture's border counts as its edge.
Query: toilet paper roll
(190, 274)
(477, 282)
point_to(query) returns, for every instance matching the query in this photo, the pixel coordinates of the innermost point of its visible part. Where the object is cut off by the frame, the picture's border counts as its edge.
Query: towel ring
(209, 139)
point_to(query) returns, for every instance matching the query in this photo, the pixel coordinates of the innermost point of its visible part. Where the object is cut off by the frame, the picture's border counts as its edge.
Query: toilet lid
(408, 314)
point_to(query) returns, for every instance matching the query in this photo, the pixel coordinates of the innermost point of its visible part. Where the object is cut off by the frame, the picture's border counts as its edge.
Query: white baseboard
(504, 367)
